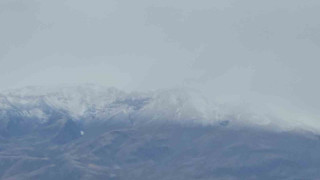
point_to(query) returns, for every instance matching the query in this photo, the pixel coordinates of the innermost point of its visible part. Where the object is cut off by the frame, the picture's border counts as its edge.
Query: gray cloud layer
(226, 48)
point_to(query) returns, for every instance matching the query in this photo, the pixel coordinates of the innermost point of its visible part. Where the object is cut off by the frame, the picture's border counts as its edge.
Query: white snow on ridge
(91, 102)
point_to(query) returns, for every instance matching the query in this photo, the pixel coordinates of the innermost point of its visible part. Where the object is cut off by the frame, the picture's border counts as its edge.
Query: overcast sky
(231, 48)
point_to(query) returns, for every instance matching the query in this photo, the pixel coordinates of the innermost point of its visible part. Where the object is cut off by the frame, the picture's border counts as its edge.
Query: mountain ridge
(156, 135)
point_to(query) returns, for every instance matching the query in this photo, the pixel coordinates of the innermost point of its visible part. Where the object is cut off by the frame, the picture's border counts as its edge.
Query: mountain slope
(89, 132)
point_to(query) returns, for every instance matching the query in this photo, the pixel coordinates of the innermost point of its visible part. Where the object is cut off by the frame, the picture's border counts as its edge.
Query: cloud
(227, 49)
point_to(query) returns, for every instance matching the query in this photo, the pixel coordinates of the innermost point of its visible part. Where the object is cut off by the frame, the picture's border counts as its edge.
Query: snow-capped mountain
(87, 103)
(94, 132)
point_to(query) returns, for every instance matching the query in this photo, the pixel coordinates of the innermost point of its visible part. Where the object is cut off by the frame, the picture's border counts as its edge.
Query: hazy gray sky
(232, 48)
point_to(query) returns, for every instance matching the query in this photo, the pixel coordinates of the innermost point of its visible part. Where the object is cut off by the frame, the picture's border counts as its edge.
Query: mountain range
(95, 132)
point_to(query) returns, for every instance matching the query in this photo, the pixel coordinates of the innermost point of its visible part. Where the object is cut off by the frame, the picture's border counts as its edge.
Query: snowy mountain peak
(87, 103)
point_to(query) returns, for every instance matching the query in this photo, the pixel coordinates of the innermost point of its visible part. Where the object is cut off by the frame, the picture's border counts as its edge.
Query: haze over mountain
(265, 52)
(91, 102)
(205, 89)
